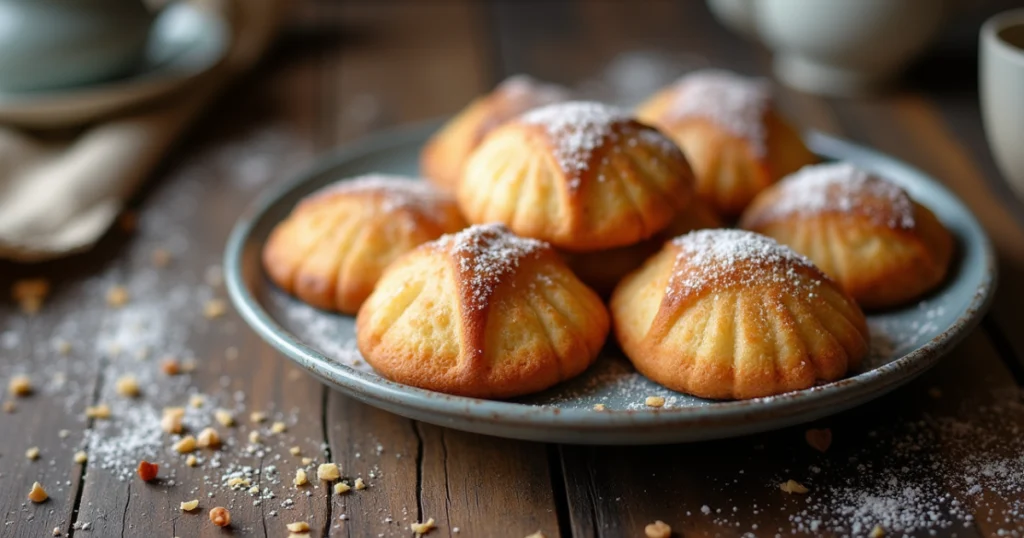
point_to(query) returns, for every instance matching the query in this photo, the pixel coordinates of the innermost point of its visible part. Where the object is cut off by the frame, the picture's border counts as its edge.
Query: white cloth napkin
(59, 196)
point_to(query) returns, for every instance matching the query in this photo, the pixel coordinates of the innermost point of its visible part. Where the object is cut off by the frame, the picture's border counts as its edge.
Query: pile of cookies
(489, 279)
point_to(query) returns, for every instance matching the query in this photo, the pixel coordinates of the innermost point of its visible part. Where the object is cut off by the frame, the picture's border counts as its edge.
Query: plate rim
(428, 405)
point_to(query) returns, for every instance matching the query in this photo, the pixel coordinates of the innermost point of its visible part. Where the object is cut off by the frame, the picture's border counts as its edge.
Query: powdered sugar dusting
(399, 193)
(707, 256)
(486, 254)
(842, 187)
(523, 92)
(576, 129)
(734, 102)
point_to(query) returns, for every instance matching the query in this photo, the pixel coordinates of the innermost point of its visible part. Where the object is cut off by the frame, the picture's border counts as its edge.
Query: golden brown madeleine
(583, 176)
(733, 314)
(481, 313)
(603, 269)
(445, 153)
(866, 233)
(336, 243)
(730, 132)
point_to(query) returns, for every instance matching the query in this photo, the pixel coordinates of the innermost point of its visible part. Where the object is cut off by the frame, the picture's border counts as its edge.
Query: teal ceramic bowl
(905, 342)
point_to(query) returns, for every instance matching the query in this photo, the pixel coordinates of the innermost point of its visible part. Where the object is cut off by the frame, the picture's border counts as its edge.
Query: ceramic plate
(185, 41)
(905, 342)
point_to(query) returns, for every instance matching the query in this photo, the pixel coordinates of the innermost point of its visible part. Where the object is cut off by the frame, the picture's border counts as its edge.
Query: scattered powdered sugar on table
(740, 257)
(845, 188)
(521, 93)
(734, 102)
(576, 129)
(486, 254)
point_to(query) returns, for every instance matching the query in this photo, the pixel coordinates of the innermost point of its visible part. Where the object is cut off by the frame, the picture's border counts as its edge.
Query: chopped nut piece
(360, 485)
(147, 471)
(220, 516)
(792, 486)
(37, 494)
(56, 531)
(63, 433)
(295, 451)
(117, 296)
(20, 385)
(341, 487)
(877, 532)
(298, 526)
(238, 481)
(307, 461)
(196, 400)
(191, 461)
(63, 347)
(225, 417)
(654, 401)
(257, 417)
(328, 472)
(254, 437)
(81, 456)
(98, 411)
(170, 366)
(30, 294)
(185, 445)
(171, 421)
(161, 257)
(254, 490)
(188, 506)
(214, 308)
(598, 407)
(187, 366)
(537, 534)
(127, 386)
(10, 407)
(422, 528)
(819, 440)
(32, 453)
(278, 427)
(300, 477)
(658, 529)
(208, 438)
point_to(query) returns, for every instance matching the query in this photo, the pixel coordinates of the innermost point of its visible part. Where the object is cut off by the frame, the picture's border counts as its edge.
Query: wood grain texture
(340, 71)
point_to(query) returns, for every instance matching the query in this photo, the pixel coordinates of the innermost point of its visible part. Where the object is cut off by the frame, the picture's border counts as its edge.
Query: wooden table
(950, 443)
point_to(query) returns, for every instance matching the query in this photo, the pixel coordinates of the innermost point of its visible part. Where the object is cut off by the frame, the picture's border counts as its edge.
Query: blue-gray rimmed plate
(905, 342)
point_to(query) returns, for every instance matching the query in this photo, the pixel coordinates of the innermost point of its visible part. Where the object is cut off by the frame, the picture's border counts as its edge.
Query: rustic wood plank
(250, 138)
(64, 383)
(403, 70)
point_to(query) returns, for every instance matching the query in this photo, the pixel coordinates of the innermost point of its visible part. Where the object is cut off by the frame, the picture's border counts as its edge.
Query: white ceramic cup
(836, 47)
(1001, 82)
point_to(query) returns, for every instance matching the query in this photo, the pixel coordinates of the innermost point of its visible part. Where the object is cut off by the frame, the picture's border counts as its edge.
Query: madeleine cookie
(730, 132)
(445, 153)
(580, 175)
(481, 313)
(732, 314)
(335, 244)
(866, 233)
